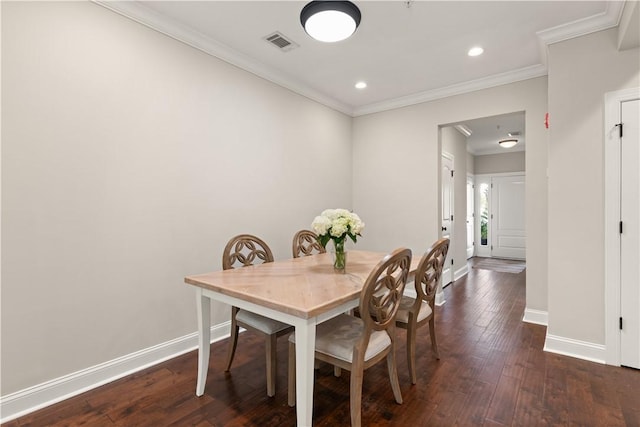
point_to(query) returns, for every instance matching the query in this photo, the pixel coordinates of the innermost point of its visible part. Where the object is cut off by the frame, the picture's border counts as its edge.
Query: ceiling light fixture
(361, 85)
(475, 51)
(508, 143)
(330, 21)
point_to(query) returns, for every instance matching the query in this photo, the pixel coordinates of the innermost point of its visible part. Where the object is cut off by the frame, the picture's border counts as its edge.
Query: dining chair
(357, 343)
(305, 242)
(241, 251)
(415, 312)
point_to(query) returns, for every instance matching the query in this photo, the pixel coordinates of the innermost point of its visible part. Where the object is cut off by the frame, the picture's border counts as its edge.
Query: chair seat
(261, 323)
(406, 304)
(336, 337)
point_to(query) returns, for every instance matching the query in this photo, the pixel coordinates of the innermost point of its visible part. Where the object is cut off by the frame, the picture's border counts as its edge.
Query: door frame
(471, 180)
(440, 299)
(612, 187)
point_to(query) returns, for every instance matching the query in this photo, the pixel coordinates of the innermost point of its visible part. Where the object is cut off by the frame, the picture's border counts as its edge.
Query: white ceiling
(487, 131)
(407, 52)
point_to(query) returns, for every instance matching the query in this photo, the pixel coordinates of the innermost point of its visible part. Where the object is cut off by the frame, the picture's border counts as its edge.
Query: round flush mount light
(361, 85)
(508, 143)
(330, 21)
(475, 51)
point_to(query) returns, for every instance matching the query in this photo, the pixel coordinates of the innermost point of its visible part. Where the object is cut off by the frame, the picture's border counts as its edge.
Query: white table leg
(203, 305)
(305, 349)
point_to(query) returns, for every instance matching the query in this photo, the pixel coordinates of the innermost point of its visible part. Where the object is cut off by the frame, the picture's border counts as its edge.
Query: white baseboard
(440, 301)
(25, 401)
(575, 348)
(460, 272)
(538, 317)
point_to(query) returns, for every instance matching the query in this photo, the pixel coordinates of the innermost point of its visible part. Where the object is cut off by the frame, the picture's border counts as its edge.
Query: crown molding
(457, 89)
(601, 21)
(136, 11)
(141, 14)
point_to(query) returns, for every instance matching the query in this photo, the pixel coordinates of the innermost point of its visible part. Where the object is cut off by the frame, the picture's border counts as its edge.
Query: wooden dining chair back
(357, 343)
(305, 242)
(415, 312)
(242, 251)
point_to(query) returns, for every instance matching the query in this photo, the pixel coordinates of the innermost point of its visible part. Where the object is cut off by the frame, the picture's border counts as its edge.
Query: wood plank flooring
(492, 372)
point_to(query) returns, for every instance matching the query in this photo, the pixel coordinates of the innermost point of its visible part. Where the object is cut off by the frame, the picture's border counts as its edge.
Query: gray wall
(581, 71)
(471, 159)
(128, 161)
(500, 163)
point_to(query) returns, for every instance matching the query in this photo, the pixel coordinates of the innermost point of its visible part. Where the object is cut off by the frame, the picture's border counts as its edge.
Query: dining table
(301, 292)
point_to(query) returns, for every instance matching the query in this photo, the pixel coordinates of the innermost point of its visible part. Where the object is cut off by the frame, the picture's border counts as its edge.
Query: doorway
(465, 142)
(499, 171)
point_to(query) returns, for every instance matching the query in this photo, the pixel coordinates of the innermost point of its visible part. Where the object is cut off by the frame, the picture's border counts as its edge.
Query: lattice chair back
(305, 242)
(429, 271)
(244, 250)
(382, 291)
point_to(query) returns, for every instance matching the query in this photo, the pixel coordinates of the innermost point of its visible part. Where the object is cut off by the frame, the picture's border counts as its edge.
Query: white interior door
(630, 235)
(508, 236)
(470, 216)
(447, 214)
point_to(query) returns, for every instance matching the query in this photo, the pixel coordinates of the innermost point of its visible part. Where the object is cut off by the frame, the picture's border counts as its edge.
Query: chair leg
(270, 347)
(233, 339)
(393, 375)
(434, 342)
(337, 371)
(411, 350)
(355, 392)
(292, 375)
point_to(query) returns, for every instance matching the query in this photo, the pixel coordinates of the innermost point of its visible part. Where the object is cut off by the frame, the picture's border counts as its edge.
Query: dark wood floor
(493, 372)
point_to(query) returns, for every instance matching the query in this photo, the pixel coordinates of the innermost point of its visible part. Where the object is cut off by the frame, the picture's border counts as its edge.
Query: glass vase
(339, 256)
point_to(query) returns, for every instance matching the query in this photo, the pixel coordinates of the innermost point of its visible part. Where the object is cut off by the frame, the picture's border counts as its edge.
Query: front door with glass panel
(483, 225)
(470, 217)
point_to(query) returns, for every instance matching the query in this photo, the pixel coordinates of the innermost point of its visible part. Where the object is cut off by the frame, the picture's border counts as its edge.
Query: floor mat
(500, 265)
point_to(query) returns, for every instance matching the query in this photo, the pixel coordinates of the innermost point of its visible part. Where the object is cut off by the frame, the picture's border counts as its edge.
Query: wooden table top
(303, 287)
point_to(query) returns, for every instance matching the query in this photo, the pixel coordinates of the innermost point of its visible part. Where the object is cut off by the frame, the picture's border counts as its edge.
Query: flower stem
(340, 261)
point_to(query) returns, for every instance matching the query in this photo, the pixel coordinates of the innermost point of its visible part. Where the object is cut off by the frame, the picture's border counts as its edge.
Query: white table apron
(305, 330)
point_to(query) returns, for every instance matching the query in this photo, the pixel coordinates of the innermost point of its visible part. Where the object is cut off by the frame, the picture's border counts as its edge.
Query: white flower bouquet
(336, 225)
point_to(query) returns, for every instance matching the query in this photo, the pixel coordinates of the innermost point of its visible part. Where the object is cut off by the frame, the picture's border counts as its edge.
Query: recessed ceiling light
(361, 85)
(475, 51)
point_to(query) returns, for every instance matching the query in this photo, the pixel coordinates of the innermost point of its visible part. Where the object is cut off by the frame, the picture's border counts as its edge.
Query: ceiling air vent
(281, 42)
